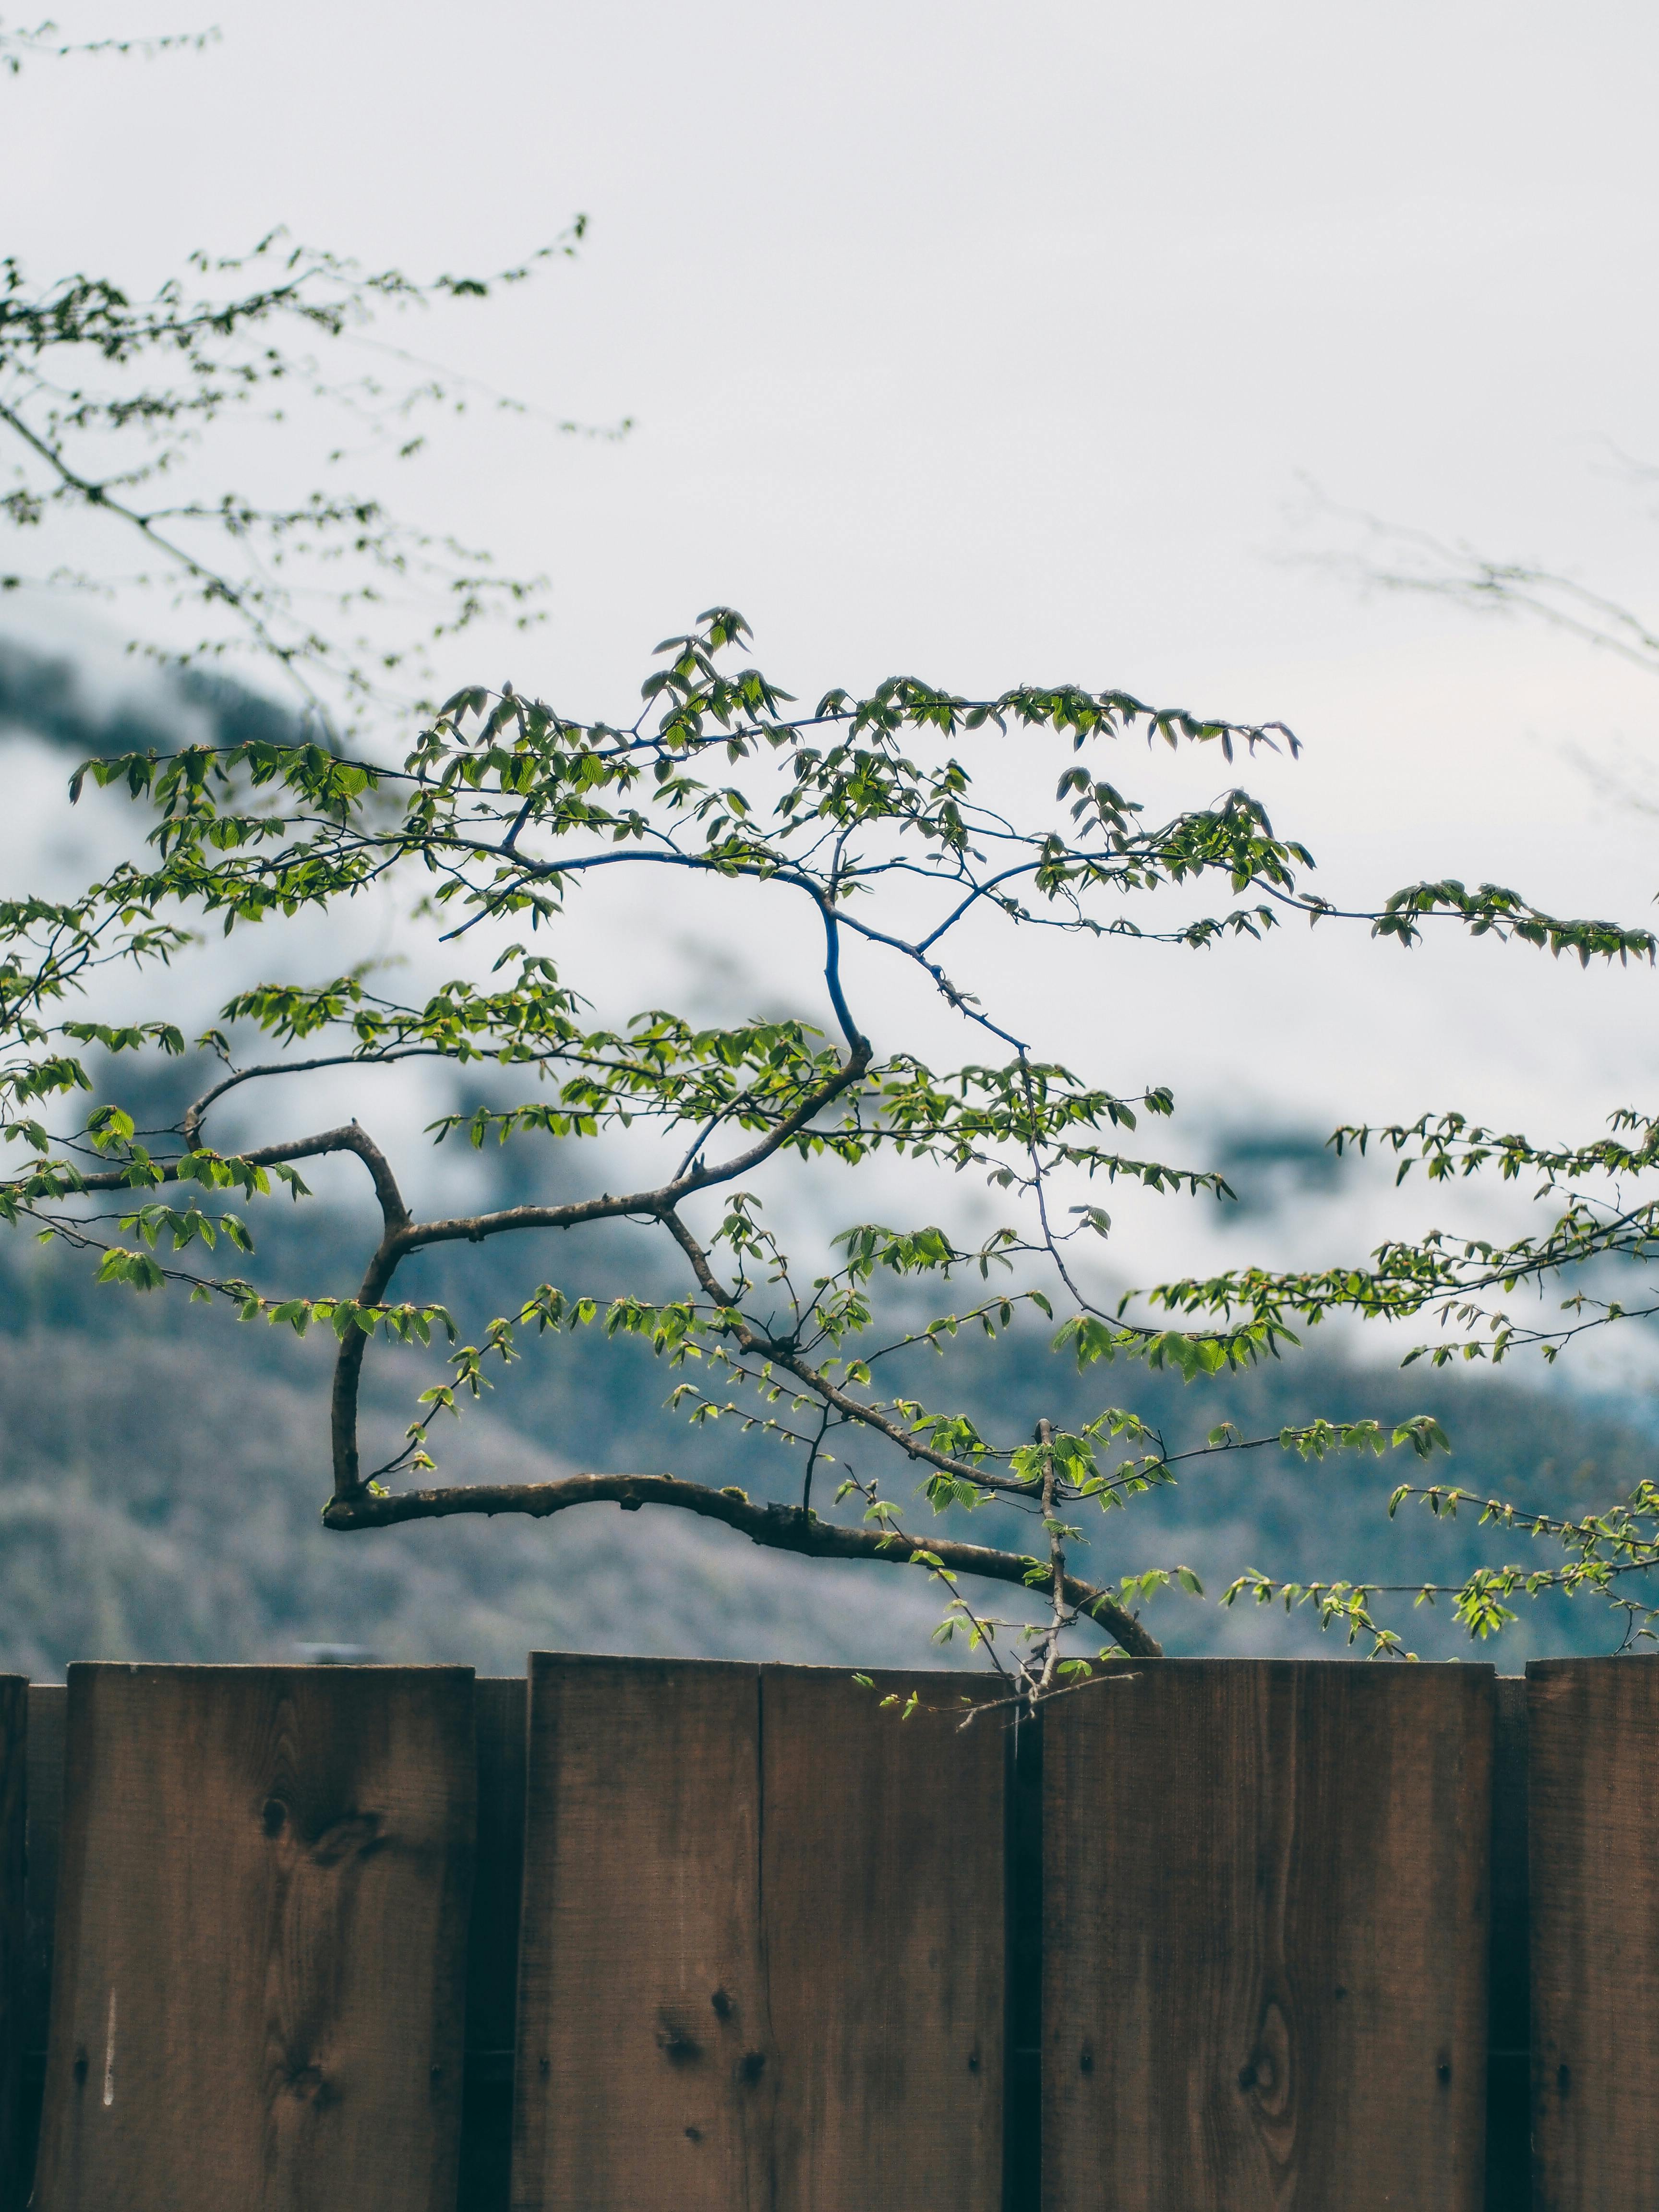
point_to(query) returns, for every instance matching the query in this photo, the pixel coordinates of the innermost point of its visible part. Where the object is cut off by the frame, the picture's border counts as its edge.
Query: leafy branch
(864, 817)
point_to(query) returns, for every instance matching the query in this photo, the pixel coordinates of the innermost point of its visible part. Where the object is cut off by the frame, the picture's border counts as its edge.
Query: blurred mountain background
(163, 1467)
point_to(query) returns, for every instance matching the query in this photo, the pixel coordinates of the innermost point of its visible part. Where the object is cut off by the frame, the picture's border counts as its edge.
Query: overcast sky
(1000, 345)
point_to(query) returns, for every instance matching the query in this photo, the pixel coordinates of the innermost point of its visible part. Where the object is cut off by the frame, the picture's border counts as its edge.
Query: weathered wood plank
(1509, 2086)
(882, 1888)
(1265, 1944)
(645, 2073)
(14, 2009)
(761, 1965)
(47, 1715)
(258, 1978)
(1594, 1788)
(492, 1952)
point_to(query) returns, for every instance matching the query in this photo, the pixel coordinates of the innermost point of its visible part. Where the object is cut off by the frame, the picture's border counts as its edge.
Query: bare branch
(190, 1127)
(1045, 1436)
(782, 1528)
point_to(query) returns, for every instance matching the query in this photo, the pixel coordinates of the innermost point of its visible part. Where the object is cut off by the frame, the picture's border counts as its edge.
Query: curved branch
(395, 1227)
(830, 1393)
(348, 1365)
(475, 1227)
(782, 1528)
(833, 918)
(190, 1127)
(349, 1138)
(403, 1237)
(856, 1041)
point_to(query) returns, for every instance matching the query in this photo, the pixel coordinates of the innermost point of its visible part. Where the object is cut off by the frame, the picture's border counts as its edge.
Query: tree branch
(403, 1237)
(190, 1127)
(1045, 1436)
(782, 1528)
(350, 1138)
(830, 1393)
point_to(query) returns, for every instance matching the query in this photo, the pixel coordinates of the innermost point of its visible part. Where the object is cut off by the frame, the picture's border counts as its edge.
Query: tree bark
(782, 1528)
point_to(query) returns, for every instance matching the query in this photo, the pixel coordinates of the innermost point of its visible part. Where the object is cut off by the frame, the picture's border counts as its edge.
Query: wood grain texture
(760, 1968)
(644, 2073)
(882, 1882)
(13, 2011)
(1593, 1779)
(48, 1702)
(258, 1978)
(1509, 2032)
(1266, 1884)
(47, 1715)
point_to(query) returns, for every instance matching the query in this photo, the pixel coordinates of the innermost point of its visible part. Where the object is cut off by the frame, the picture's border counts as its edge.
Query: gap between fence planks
(1509, 2035)
(258, 1984)
(1266, 1943)
(760, 1961)
(1594, 1777)
(492, 1954)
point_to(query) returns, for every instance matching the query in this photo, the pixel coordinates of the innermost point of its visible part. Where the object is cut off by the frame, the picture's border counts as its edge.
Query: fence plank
(257, 1993)
(882, 1877)
(642, 2055)
(762, 1954)
(47, 1701)
(1594, 1786)
(1266, 1954)
(13, 2011)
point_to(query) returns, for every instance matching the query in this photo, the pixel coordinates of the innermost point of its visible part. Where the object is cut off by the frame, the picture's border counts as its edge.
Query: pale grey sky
(1004, 332)
(994, 343)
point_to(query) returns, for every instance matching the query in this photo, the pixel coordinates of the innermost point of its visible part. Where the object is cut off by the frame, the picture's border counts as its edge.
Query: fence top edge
(841, 1670)
(172, 1668)
(1479, 1670)
(1475, 1668)
(1471, 1670)
(641, 1659)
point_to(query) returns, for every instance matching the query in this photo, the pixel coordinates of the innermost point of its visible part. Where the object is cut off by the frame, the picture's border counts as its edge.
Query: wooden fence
(643, 1936)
